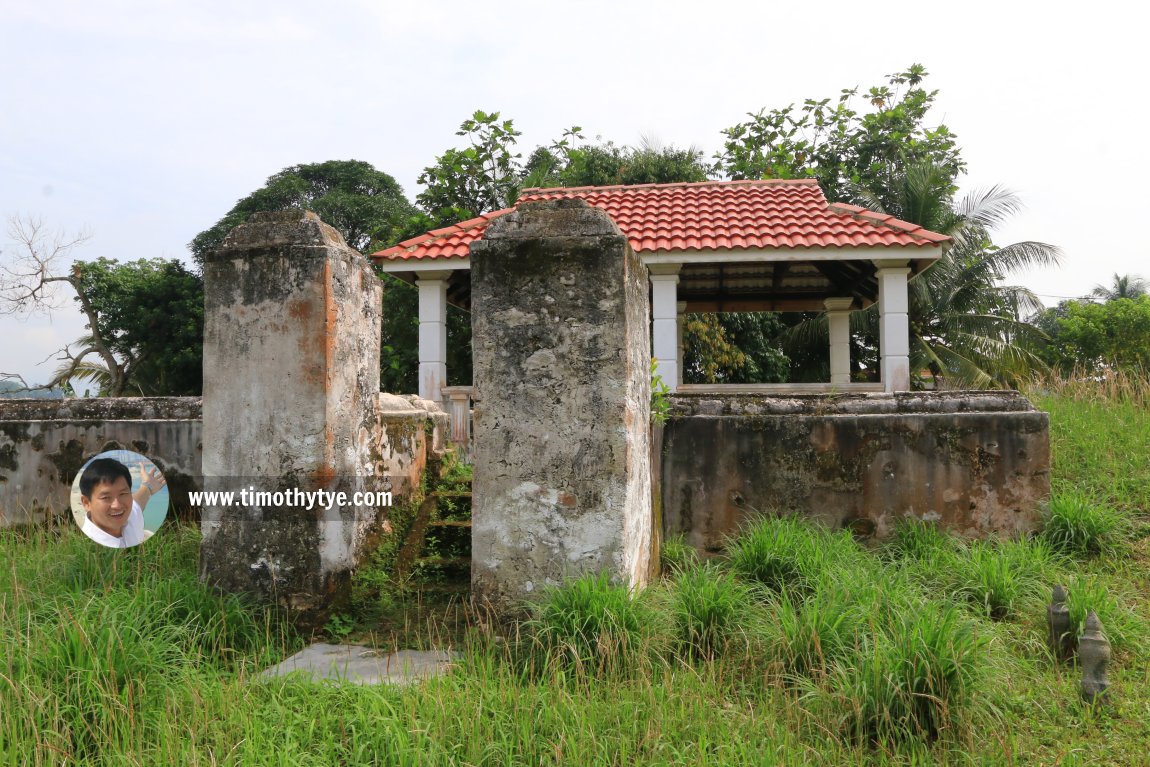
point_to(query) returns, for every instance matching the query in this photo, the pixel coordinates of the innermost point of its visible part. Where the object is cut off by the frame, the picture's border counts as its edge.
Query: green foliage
(997, 578)
(918, 539)
(610, 165)
(479, 178)
(660, 395)
(912, 682)
(965, 323)
(150, 315)
(366, 205)
(1122, 286)
(591, 624)
(1076, 526)
(845, 149)
(677, 556)
(788, 554)
(709, 608)
(1087, 337)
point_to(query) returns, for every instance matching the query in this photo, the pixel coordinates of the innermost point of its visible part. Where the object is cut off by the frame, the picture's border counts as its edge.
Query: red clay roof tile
(709, 215)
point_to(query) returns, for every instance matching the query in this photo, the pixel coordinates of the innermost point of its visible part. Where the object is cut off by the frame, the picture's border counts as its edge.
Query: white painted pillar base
(665, 325)
(432, 334)
(893, 325)
(839, 326)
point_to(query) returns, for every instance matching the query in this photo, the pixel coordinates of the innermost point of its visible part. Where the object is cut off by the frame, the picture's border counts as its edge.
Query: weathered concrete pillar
(665, 322)
(839, 327)
(291, 378)
(562, 419)
(893, 325)
(432, 334)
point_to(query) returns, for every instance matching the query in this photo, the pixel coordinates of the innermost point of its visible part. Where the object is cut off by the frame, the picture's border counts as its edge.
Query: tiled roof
(707, 216)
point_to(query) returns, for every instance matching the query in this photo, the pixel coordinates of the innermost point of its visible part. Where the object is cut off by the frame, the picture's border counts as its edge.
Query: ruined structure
(977, 463)
(292, 403)
(562, 358)
(44, 443)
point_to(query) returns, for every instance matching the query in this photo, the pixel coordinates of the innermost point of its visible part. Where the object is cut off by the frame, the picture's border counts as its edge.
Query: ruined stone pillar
(562, 420)
(839, 329)
(893, 325)
(291, 377)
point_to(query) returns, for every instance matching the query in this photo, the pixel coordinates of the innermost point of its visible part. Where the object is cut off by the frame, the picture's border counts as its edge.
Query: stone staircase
(436, 555)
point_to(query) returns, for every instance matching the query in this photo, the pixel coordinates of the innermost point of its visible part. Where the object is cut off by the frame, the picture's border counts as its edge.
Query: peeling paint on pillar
(561, 340)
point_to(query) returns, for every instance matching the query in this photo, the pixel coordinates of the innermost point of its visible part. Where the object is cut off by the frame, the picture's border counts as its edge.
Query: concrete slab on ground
(359, 664)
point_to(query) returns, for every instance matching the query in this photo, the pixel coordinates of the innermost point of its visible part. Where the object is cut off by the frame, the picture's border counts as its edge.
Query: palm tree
(1126, 286)
(965, 324)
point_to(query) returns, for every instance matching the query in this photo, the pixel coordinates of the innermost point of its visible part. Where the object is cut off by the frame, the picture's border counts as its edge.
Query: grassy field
(801, 648)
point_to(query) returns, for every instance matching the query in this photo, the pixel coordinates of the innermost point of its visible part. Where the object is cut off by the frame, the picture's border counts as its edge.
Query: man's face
(109, 506)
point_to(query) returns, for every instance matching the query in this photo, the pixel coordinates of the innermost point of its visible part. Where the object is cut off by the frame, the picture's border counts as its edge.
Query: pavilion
(716, 246)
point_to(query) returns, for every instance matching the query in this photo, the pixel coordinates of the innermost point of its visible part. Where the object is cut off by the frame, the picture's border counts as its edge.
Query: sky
(141, 122)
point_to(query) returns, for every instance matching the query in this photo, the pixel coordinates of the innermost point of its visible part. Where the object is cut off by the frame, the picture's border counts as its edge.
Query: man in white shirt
(113, 515)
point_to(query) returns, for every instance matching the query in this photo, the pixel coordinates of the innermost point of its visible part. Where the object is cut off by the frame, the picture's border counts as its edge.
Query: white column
(680, 322)
(893, 325)
(432, 334)
(665, 324)
(839, 325)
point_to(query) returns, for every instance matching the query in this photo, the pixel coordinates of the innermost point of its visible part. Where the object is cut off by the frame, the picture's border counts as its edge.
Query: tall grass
(591, 625)
(1077, 526)
(802, 648)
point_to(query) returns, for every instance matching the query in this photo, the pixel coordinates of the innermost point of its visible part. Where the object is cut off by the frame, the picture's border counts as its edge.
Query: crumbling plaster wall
(560, 317)
(43, 444)
(978, 463)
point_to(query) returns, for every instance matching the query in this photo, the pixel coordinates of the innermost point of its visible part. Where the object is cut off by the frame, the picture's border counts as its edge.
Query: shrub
(917, 539)
(997, 576)
(677, 556)
(709, 608)
(1076, 526)
(788, 554)
(590, 623)
(912, 682)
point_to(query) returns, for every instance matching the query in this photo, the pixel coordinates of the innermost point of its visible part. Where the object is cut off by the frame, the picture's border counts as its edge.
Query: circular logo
(119, 499)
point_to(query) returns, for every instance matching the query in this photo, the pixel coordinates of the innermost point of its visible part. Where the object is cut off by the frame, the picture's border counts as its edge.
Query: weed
(917, 539)
(677, 556)
(997, 577)
(709, 606)
(788, 554)
(911, 683)
(660, 395)
(1076, 526)
(590, 623)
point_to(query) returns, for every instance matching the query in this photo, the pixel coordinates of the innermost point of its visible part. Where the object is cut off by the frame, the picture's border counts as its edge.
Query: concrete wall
(976, 462)
(43, 444)
(561, 343)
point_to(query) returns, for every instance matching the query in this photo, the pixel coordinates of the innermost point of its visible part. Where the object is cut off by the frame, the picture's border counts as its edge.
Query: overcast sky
(142, 122)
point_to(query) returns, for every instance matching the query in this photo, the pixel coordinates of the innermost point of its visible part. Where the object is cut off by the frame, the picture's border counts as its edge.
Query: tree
(1089, 337)
(144, 319)
(366, 205)
(479, 178)
(965, 324)
(1126, 286)
(845, 149)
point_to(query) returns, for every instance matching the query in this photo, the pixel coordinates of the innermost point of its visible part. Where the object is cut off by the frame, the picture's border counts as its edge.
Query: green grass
(802, 649)
(1077, 526)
